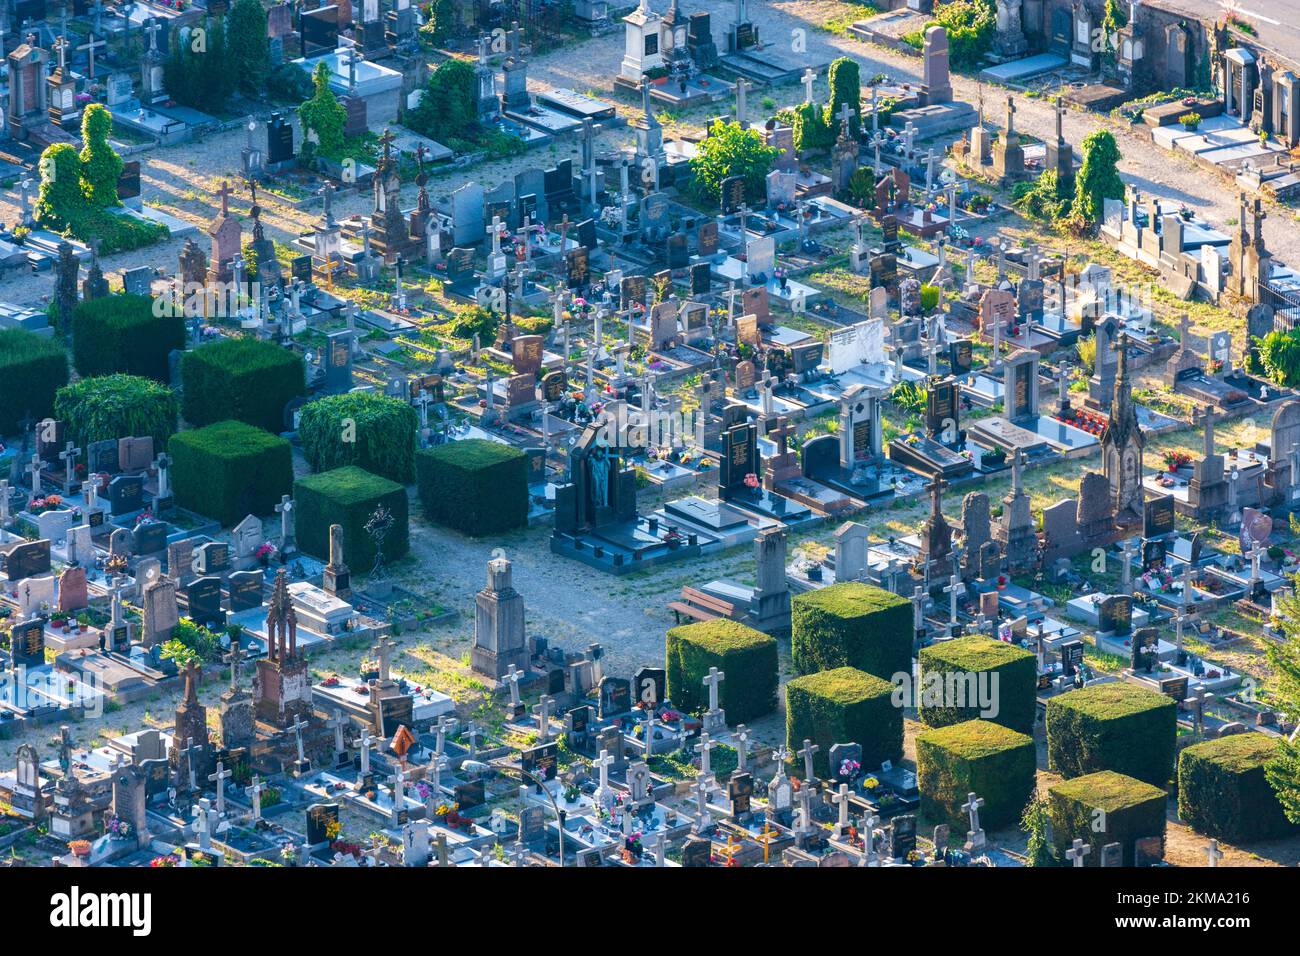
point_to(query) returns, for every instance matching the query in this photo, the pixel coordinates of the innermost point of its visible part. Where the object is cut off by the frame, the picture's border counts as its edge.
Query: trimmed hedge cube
(840, 706)
(746, 656)
(1117, 726)
(32, 368)
(852, 625)
(121, 333)
(1222, 790)
(243, 379)
(977, 756)
(963, 669)
(1102, 808)
(229, 470)
(476, 486)
(371, 431)
(348, 496)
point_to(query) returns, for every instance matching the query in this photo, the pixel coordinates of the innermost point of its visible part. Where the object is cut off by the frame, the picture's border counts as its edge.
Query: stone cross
(953, 587)
(384, 650)
(35, 472)
(702, 748)
(220, 778)
(233, 658)
(297, 728)
(336, 723)
(841, 800)
(741, 737)
(742, 110)
(202, 825)
(285, 510)
(972, 807)
(445, 726)
(1198, 703)
(809, 748)
(363, 748)
(702, 818)
(398, 783)
(518, 852)
(1077, 852)
(513, 676)
(69, 457)
(1127, 569)
(712, 680)
(603, 763)
(869, 857)
(254, 793)
(543, 712)
(1213, 854)
(189, 751)
(809, 77)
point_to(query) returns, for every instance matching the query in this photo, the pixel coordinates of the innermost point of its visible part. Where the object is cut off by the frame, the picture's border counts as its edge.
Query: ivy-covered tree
(971, 26)
(846, 87)
(1283, 771)
(1097, 179)
(439, 21)
(198, 71)
(323, 118)
(730, 150)
(448, 110)
(60, 200)
(810, 129)
(101, 167)
(250, 49)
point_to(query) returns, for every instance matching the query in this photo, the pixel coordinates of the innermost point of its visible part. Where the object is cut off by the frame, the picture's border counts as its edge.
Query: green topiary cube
(349, 496)
(476, 486)
(1116, 726)
(32, 368)
(1222, 790)
(976, 756)
(371, 431)
(122, 333)
(746, 656)
(852, 625)
(1102, 808)
(113, 406)
(955, 675)
(229, 470)
(242, 379)
(840, 706)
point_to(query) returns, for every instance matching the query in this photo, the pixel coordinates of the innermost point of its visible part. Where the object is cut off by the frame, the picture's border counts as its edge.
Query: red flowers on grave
(751, 481)
(1176, 459)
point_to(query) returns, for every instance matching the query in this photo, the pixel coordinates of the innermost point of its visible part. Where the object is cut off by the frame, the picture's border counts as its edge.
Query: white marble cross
(1077, 852)
(219, 778)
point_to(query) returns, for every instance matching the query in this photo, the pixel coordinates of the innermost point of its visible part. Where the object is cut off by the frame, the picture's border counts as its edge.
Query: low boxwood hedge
(1105, 807)
(977, 756)
(122, 333)
(229, 469)
(32, 368)
(839, 706)
(746, 656)
(245, 380)
(476, 486)
(963, 670)
(1117, 726)
(852, 625)
(380, 438)
(1222, 790)
(349, 496)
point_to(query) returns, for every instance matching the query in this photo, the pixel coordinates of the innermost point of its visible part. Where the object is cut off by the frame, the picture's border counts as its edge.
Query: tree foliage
(1097, 179)
(846, 88)
(323, 118)
(1279, 352)
(731, 150)
(197, 71)
(448, 110)
(101, 167)
(112, 406)
(439, 21)
(1283, 771)
(971, 25)
(250, 48)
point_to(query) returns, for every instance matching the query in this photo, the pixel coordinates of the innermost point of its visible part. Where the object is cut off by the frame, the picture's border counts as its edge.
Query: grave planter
(1102, 808)
(977, 676)
(1223, 791)
(1119, 727)
(852, 625)
(843, 705)
(747, 657)
(980, 757)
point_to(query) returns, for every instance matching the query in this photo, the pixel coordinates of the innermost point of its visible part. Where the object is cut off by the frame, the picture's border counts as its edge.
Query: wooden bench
(700, 606)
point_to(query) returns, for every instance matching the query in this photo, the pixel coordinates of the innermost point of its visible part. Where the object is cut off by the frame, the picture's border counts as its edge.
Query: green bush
(1280, 354)
(476, 486)
(1014, 695)
(229, 469)
(1223, 792)
(32, 368)
(115, 406)
(1117, 726)
(349, 496)
(121, 333)
(381, 438)
(854, 625)
(241, 379)
(746, 656)
(1102, 808)
(971, 25)
(732, 150)
(980, 757)
(840, 706)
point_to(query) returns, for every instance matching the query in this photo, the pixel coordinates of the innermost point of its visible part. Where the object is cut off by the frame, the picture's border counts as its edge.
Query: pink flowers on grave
(751, 481)
(266, 550)
(849, 768)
